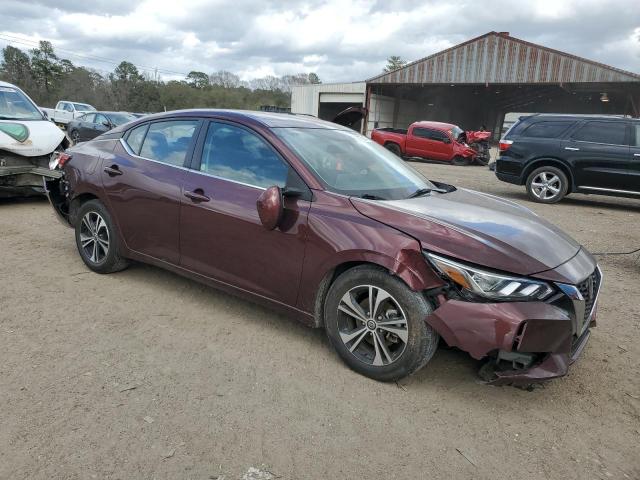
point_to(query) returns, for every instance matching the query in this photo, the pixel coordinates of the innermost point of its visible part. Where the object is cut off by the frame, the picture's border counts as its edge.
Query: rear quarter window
(546, 129)
(612, 133)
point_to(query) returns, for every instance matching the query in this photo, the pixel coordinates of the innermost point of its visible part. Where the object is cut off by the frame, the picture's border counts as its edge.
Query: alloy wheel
(75, 136)
(372, 325)
(546, 185)
(94, 237)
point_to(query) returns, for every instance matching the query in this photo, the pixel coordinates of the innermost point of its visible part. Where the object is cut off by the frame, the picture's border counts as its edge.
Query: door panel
(221, 235)
(144, 193)
(599, 154)
(223, 238)
(145, 200)
(427, 143)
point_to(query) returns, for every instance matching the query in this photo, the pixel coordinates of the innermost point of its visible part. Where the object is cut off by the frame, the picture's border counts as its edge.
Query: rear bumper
(506, 177)
(541, 334)
(54, 190)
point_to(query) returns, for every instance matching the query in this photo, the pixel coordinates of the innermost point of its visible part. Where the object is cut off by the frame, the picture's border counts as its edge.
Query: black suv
(554, 155)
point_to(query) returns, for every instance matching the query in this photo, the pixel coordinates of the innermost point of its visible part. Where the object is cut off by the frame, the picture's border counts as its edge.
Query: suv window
(237, 154)
(546, 129)
(637, 132)
(612, 133)
(168, 142)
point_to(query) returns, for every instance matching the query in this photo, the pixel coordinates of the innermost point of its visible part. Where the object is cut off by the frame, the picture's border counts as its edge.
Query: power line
(34, 43)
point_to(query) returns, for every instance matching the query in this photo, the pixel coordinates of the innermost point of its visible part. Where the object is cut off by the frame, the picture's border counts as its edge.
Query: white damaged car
(27, 140)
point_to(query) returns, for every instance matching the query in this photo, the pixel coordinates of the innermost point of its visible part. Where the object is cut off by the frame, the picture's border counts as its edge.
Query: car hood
(43, 138)
(477, 228)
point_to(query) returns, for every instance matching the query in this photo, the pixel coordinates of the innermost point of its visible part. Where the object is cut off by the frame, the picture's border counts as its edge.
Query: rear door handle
(573, 149)
(197, 195)
(113, 170)
(636, 154)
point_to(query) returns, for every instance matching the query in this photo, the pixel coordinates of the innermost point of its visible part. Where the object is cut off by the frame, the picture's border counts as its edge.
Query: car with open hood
(27, 140)
(319, 222)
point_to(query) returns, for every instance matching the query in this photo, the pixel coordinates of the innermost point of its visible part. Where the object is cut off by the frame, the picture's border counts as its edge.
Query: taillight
(505, 145)
(58, 160)
(63, 158)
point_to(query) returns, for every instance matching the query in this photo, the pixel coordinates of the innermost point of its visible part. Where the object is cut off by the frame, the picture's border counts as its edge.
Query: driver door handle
(573, 149)
(113, 170)
(197, 195)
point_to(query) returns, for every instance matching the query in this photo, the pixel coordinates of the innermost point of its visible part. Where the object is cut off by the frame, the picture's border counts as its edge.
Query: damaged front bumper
(524, 342)
(20, 176)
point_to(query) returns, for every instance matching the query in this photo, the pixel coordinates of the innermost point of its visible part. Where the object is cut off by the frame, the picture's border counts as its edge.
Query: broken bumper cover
(531, 329)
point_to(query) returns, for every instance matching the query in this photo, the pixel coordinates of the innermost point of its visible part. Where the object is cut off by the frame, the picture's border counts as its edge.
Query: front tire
(460, 161)
(377, 324)
(97, 240)
(75, 136)
(547, 185)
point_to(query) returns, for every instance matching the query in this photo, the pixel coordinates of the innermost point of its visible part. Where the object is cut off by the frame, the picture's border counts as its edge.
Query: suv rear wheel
(377, 324)
(547, 185)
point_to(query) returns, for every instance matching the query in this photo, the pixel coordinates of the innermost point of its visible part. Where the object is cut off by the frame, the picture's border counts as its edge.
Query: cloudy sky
(340, 40)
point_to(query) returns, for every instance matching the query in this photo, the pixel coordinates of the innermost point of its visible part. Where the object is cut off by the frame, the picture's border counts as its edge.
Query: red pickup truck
(429, 140)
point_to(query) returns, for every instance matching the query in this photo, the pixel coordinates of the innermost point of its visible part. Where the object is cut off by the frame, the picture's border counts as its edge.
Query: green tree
(198, 79)
(394, 62)
(16, 66)
(45, 66)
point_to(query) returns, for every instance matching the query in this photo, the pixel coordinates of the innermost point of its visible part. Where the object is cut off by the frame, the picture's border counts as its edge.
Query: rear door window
(546, 129)
(168, 142)
(135, 137)
(236, 154)
(612, 133)
(637, 134)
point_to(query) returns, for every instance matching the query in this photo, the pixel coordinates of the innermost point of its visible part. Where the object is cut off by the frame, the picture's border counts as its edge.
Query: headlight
(490, 285)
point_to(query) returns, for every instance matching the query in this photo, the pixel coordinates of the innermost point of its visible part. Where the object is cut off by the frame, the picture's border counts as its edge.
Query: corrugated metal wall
(497, 58)
(306, 98)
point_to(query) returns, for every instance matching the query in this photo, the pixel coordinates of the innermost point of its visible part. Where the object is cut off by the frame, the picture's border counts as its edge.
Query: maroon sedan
(320, 222)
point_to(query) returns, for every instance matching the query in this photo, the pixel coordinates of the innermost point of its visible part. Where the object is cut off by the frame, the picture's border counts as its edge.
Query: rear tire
(547, 185)
(75, 136)
(97, 240)
(389, 343)
(394, 148)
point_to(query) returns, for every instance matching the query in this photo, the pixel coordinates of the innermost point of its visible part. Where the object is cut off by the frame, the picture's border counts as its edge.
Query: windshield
(14, 105)
(456, 132)
(351, 164)
(83, 107)
(120, 118)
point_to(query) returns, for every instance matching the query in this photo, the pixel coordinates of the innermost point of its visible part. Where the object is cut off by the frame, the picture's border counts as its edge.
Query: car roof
(575, 116)
(268, 119)
(436, 125)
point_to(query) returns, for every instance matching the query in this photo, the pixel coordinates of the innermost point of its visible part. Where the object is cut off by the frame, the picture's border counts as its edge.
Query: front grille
(589, 291)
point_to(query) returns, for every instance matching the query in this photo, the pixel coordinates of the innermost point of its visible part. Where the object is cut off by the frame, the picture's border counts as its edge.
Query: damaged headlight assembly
(489, 285)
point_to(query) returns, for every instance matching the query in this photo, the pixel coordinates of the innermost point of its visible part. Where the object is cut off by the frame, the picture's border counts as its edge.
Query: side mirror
(106, 124)
(270, 207)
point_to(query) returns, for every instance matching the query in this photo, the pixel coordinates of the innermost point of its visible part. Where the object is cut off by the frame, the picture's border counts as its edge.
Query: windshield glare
(351, 164)
(14, 105)
(456, 132)
(83, 107)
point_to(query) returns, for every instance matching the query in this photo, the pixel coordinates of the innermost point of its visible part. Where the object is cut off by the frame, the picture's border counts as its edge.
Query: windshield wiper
(420, 192)
(368, 196)
(424, 191)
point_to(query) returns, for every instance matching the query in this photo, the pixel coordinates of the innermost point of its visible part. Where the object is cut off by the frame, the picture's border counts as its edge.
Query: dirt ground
(143, 374)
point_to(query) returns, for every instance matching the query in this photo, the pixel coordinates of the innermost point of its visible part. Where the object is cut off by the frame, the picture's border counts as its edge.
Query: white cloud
(340, 40)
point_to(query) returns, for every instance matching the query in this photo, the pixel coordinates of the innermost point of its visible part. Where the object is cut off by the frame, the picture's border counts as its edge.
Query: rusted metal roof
(499, 58)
